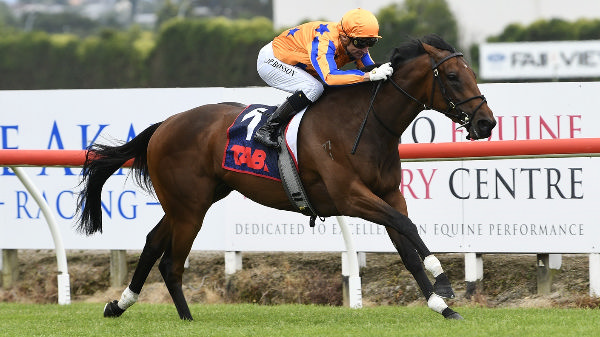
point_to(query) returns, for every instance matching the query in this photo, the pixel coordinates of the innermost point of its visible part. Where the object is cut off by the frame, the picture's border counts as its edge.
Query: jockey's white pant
(286, 77)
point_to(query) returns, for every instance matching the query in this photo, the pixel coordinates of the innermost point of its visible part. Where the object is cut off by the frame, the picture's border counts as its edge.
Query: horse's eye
(452, 76)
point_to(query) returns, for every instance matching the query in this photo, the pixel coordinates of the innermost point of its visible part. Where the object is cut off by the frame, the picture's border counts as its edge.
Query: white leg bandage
(433, 265)
(128, 298)
(436, 303)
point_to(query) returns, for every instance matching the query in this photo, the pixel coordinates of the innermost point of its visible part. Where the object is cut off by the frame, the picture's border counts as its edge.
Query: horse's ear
(396, 57)
(431, 50)
(438, 42)
(406, 51)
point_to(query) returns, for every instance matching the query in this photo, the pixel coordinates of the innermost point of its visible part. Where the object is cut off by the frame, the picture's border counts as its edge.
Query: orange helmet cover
(360, 23)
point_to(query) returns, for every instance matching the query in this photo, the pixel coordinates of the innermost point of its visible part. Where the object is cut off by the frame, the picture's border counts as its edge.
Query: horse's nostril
(486, 124)
(485, 127)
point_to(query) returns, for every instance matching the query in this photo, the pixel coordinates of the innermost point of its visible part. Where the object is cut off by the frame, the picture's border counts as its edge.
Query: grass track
(83, 319)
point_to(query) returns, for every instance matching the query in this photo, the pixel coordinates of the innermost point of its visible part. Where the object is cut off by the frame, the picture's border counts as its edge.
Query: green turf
(292, 320)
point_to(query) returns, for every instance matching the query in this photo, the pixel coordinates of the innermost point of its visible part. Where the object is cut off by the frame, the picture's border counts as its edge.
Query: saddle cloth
(243, 154)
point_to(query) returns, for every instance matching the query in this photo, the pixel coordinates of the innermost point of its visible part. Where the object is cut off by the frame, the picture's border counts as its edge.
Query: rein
(451, 111)
(362, 126)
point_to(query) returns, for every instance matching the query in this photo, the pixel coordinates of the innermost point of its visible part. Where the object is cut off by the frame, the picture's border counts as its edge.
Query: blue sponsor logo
(497, 57)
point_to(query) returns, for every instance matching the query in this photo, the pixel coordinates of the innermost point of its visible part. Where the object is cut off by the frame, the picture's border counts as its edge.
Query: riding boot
(268, 133)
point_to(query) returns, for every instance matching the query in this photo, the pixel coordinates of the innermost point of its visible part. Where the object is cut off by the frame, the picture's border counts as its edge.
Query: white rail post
(64, 284)
(594, 266)
(354, 290)
(233, 262)
(362, 259)
(10, 269)
(555, 261)
(118, 267)
(544, 274)
(473, 272)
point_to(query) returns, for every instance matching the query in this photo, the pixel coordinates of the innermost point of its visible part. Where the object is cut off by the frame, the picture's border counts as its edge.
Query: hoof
(455, 315)
(185, 314)
(442, 286)
(451, 314)
(111, 309)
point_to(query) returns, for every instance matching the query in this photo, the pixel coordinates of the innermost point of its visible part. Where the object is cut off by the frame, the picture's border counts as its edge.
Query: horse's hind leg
(171, 265)
(156, 241)
(185, 217)
(174, 284)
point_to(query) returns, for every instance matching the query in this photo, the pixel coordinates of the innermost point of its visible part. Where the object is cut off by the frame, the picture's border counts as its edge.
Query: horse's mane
(414, 48)
(407, 51)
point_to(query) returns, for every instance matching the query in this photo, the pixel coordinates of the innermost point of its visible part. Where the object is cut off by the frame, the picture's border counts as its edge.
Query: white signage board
(524, 205)
(72, 119)
(540, 60)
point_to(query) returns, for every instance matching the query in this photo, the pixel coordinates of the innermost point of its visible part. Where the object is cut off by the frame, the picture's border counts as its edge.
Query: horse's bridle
(453, 111)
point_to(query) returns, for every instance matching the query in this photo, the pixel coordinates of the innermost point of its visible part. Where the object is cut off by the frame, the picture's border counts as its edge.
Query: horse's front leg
(357, 200)
(412, 261)
(413, 264)
(442, 286)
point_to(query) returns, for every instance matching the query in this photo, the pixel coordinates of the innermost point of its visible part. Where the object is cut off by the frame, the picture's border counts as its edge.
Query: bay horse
(180, 158)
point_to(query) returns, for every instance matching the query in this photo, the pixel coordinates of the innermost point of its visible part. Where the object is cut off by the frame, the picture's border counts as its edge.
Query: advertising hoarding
(516, 205)
(540, 60)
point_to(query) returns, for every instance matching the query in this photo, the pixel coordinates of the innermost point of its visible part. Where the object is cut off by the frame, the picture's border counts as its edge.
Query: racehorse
(356, 176)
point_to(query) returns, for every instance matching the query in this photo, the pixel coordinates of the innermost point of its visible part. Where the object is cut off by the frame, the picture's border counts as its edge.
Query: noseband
(452, 110)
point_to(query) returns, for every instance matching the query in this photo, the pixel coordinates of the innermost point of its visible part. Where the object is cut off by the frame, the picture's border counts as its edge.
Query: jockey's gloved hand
(383, 72)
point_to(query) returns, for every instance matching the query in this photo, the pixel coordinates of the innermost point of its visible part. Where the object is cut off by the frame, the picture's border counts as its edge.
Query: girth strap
(290, 179)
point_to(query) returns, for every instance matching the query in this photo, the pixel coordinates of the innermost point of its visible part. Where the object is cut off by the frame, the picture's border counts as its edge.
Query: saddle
(244, 155)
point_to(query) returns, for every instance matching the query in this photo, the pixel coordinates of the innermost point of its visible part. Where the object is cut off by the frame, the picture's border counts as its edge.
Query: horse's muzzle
(482, 129)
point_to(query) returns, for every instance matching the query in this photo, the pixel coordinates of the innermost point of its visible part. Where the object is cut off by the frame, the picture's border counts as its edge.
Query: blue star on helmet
(292, 31)
(322, 28)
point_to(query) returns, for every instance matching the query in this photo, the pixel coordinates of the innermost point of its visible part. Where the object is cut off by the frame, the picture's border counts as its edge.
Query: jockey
(303, 59)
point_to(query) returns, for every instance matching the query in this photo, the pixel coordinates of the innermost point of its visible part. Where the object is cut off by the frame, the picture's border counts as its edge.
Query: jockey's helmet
(360, 23)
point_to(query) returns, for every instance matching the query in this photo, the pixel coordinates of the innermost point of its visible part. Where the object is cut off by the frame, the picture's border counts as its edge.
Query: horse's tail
(100, 163)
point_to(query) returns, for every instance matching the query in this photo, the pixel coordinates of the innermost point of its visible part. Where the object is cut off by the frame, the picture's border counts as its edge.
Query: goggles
(362, 42)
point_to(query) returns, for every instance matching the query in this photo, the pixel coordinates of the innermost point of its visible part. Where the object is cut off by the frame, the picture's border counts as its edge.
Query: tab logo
(254, 159)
